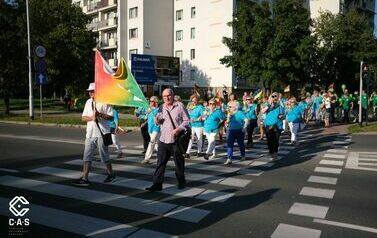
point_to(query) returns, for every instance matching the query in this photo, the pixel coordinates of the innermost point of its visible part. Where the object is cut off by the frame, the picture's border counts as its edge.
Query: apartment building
(130, 27)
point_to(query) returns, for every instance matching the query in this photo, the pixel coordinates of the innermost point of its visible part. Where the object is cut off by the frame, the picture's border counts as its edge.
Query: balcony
(107, 24)
(98, 6)
(108, 44)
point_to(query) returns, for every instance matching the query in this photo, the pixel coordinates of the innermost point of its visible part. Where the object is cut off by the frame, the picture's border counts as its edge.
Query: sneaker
(120, 155)
(201, 154)
(144, 151)
(187, 156)
(206, 156)
(145, 161)
(228, 161)
(155, 187)
(212, 156)
(81, 182)
(109, 178)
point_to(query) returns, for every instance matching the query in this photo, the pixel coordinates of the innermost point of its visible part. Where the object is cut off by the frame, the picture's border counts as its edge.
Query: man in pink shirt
(167, 142)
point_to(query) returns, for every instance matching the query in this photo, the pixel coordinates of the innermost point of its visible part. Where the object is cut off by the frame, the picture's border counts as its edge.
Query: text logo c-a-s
(16, 204)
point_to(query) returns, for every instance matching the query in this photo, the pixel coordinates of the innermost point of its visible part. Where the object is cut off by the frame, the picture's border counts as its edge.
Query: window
(132, 13)
(192, 33)
(133, 33)
(179, 54)
(179, 15)
(193, 12)
(192, 54)
(192, 75)
(132, 51)
(179, 35)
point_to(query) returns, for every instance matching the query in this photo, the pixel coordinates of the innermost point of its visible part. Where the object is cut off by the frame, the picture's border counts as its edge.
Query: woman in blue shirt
(114, 125)
(294, 116)
(237, 124)
(273, 124)
(250, 110)
(153, 129)
(213, 119)
(195, 111)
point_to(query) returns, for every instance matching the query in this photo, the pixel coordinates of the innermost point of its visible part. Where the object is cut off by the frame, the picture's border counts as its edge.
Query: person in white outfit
(153, 128)
(294, 117)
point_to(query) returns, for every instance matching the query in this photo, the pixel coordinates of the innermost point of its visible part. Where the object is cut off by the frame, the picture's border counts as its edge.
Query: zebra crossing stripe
(317, 192)
(327, 170)
(235, 182)
(331, 162)
(204, 194)
(304, 209)
(322, 179)
(189, 214)
(337, 151)
(335, 156)
(289, 231)
(67, 221)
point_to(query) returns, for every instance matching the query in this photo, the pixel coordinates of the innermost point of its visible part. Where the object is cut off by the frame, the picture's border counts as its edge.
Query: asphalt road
(324, 187)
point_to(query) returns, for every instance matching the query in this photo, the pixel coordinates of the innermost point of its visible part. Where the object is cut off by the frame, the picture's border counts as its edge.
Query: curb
(54, 124)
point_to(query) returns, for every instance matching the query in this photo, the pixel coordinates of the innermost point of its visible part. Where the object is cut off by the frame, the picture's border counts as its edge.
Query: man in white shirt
(98, 117)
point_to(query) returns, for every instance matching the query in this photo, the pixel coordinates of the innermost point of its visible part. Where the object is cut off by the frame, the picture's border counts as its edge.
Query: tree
(238, 45)
(61, 28)
(289, 49)
(342, 41)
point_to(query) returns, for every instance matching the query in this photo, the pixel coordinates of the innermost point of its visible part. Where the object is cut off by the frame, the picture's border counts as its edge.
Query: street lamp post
(31, 111)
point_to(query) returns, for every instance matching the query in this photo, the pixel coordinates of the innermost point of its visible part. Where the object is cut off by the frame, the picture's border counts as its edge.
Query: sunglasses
(211, 103)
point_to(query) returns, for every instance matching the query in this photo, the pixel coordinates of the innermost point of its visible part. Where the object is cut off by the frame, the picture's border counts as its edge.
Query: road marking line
(191, 214)
(304, 209)
(327, 170)
(317, 192)
(334, 156)
(337, 151)
(341, 142)
(332, 162)
(67, 221)
(210, 195)
(235, 182)
(289, 231)
(368, 153)
(346, 225)
(37, 138)
(9, 170)
(353, 162)
(367, 164)
(322, 179)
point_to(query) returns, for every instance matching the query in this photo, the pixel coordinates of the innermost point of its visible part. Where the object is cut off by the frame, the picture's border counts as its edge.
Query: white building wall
(316, 6)
(122, 29)
(138, 23)
(210, 25)
(158, 27)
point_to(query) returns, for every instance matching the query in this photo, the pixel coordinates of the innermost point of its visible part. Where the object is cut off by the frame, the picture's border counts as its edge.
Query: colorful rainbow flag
(117, 88)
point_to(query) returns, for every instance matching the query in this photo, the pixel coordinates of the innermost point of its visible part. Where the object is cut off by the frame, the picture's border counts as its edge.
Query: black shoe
(144, 151)
(155, 187)
(206, 156)
(201, 154)
(187, 156)
(181, 185)
(81, 182)
(109, 178)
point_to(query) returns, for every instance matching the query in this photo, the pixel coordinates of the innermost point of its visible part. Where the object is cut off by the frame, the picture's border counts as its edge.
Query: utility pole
(31, 109)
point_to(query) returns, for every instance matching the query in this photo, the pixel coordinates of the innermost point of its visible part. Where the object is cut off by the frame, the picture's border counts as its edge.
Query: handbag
(107, 140)
(183, 139)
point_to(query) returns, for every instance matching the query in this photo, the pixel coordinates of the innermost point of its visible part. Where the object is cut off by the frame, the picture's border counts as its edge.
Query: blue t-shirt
(152, 126)
(237, 120)
(294, 114)
(272, 116)
(303, 105)
(141, 112)
(212, 122)
(115, 119)
(195, 113)
(250, 111)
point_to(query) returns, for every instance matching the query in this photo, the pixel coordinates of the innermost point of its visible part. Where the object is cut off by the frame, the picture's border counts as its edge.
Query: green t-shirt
(374, 100)
(364, 101)
(346, 102)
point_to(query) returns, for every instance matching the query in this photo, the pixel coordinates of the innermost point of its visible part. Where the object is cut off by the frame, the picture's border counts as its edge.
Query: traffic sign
(40, 66)
(41, 78)
(40, 51)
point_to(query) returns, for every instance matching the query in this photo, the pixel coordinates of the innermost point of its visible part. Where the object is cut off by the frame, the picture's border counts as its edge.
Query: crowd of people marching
(210, 117)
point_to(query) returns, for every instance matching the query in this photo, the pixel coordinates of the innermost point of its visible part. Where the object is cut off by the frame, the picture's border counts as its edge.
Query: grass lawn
(68, 120)
(371, 127)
